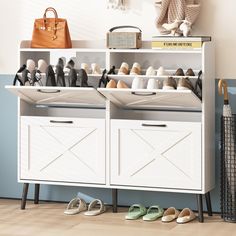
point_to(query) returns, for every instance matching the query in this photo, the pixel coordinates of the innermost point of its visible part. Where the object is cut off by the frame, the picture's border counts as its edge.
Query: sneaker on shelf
(184, 84)
(153, 84)
(124, 69)
(150, 71)
(190, 72)
(169, 84)
(161, 71)
(136, 69)
(179, 72)
(138, 83)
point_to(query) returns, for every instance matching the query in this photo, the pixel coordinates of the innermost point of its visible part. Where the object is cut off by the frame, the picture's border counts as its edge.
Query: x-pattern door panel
(165, 157)
(71, 152)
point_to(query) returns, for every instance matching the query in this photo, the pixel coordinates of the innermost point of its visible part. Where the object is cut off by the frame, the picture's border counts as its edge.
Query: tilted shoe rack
(155, 140)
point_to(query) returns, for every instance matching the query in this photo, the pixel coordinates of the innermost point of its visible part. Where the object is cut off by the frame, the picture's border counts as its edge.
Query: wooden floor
(48, 219)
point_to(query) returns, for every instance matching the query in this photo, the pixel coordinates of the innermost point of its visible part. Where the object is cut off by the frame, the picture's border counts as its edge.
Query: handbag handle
(124, 26)
(55, 23)
(52, 10)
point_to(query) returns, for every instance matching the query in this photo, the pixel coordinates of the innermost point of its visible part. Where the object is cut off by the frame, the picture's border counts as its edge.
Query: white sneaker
(153, 84)
(150, 71)
(138, 83)
(161, 71)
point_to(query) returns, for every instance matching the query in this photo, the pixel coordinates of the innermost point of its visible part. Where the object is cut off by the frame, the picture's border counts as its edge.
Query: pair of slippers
(77, 205)
(185, 216)
(137, 210)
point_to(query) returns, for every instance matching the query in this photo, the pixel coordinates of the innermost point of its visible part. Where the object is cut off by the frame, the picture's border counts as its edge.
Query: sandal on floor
(75, 206)
(96, 207)
(185, 216)
(136, 211)
(170, 214)
(153, 213)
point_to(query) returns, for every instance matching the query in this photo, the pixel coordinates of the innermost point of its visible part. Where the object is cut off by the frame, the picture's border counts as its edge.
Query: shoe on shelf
(96, 69)
(70, 64)
(50, 77)
(60, 75)
(184, 84)
(112, 71)
(111, 84)
(185, 216)
(179, 72)
(150, 71)
(83, 78)
(36, 78)
(138, 83)
(170, 214)
(135, 212)
(161, 71)
(61, 62)
(124, 69)
(169, 84)
(72, 77)
(85, 67)
(30, 65)
(96, 207)
(153, 213)
(104, 79)
(17, 77)
(190, 72)
(153, 84)
(136, 69)
(75, 206)
(122, 85)
(42, 65)
(26, 78)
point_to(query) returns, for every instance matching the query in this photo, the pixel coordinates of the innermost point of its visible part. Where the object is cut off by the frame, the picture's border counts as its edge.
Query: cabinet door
(62, 149)
(156, 154)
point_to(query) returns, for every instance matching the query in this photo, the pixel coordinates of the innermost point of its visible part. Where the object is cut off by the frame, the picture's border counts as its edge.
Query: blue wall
(9, 187)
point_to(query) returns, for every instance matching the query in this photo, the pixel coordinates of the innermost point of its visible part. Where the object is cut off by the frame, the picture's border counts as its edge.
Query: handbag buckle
(54, 37)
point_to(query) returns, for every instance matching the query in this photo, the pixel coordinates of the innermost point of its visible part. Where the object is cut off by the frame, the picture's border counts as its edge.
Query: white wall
(90, 19)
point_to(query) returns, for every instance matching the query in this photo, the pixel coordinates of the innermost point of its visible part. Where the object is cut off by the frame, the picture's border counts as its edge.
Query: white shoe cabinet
(155, 140)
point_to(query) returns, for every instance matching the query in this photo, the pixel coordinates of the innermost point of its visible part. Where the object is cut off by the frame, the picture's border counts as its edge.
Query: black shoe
(83, 78)
(72, 78)
(60, 76)
(17, 78)
(60, 63)
(26, 80)
(36, 78)
(112, 71)
(50, 77)
(104, 79)
(70, 64)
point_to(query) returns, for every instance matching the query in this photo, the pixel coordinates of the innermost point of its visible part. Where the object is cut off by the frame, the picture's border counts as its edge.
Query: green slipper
(153, 213)
(136, 211)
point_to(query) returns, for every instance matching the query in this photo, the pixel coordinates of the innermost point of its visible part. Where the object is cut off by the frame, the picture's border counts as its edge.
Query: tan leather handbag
(51, 32)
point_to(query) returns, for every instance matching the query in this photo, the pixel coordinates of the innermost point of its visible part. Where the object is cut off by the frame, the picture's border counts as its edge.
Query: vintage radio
(124, 39)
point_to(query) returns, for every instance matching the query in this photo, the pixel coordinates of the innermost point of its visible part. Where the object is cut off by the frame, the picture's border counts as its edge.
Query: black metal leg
(36, 193)
(24, 195)
(208, 203)
(199, 206)
(114, 199)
